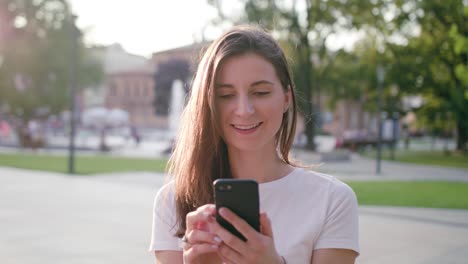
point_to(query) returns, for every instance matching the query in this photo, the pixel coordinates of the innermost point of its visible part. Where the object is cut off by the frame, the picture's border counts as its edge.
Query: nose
(244, 106)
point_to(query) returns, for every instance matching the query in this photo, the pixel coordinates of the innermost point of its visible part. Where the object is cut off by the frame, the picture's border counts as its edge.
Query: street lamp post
(71, 147)
(380, 79)
(395, 129)
(395, 117)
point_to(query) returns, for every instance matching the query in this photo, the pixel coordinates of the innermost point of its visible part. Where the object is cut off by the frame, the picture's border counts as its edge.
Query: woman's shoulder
(165, 194)
(318, 180)
(167, 187)
(309, 176)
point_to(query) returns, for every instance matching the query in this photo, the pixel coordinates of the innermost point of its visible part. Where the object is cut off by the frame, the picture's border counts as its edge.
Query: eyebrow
(226, 85)
(261, 82)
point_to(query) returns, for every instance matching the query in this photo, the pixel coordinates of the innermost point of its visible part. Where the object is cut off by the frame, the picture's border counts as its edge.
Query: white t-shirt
(308, 211)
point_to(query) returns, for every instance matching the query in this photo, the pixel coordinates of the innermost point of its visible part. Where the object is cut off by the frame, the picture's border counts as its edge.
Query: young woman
(239, 122)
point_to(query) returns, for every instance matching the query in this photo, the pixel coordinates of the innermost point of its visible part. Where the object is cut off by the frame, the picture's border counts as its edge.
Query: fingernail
(206, 214)
(222, 211)
(217, 239)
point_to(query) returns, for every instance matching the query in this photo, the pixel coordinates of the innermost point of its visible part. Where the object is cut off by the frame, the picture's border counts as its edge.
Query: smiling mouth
(247, 127)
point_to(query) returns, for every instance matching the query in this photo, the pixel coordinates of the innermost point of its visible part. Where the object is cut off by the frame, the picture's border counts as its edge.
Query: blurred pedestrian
(135, 134)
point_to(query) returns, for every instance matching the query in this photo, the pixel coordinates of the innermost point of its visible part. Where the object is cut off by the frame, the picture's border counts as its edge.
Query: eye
(262, 93)
(225, 96)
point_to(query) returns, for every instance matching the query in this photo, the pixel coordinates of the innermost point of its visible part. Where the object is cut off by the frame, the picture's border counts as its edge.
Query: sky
(144, 26)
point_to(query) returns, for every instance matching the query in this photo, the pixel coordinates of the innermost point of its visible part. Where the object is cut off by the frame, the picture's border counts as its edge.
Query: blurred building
(191, 53)
(133, 91)
(127, 85)
(351, 121)
(114, 60)
(130, 83)
(179, 63)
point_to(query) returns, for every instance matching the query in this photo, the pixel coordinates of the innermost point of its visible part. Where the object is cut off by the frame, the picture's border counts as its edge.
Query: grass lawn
(437, 158)
(83, 164)
(414, 194)
(392, 193)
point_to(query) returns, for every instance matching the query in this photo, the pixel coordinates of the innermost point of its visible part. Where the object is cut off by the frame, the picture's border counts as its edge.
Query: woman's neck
(262, 166)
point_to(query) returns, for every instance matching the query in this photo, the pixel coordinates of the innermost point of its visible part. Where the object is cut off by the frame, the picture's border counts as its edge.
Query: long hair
(200, 154)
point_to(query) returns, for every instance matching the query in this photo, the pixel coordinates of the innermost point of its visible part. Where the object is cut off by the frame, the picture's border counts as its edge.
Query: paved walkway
(56, 218)
(360, 168)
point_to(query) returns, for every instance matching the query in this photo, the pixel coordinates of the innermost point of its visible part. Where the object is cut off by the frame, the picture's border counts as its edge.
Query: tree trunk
(462, 136)
(309, 115)
(433, 140)
(310, 129)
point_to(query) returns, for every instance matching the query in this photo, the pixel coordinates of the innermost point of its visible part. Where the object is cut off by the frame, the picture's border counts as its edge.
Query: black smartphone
(241, 197)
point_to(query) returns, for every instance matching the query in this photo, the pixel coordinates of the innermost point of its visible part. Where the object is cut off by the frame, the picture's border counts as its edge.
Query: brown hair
(200, 154)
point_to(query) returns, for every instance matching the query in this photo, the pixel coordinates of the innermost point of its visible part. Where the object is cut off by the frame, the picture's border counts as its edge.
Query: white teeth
(247, 127)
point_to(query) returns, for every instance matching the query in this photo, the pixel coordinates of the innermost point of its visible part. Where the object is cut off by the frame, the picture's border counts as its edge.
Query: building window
(127, 88)
(112, 88)
(135, 88)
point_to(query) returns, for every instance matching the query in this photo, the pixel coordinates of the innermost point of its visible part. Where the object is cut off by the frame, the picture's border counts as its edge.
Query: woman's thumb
(265, 225)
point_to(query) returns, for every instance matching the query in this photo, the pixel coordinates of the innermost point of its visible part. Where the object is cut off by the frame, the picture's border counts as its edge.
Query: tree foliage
(433, 63)
(36, 53)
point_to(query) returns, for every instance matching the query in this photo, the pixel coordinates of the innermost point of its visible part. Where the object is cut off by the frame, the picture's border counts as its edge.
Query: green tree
(353, 75)
(433, 62)
(35, 51)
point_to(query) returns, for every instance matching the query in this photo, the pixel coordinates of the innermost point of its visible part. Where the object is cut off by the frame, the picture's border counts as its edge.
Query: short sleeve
(164, 221)
(341, 227)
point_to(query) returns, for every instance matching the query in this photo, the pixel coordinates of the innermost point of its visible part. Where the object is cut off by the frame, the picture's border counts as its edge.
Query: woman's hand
(259, 247)
(199, 241)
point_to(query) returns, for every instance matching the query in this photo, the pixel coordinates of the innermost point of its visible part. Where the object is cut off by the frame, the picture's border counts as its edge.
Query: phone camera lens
(224, 188)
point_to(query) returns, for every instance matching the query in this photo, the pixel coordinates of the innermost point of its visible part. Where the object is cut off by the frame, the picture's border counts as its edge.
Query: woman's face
(250, 102)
